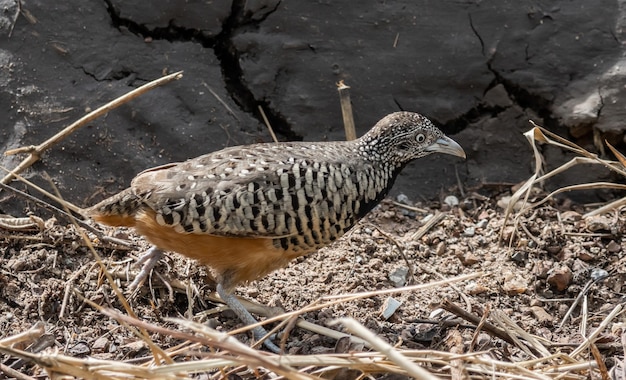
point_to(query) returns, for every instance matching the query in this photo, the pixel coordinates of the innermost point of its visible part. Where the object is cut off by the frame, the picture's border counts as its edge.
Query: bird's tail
(118, 210)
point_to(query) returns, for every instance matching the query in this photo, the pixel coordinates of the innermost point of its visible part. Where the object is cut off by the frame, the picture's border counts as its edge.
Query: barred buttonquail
(248, 210)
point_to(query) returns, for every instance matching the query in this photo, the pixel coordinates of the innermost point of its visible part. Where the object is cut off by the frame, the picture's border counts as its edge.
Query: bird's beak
(448, 146)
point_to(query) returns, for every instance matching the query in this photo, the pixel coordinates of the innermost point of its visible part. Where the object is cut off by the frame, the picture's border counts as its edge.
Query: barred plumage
(285, 199)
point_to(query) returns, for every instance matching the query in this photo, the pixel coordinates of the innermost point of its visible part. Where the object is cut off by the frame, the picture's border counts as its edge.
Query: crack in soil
(518, 95)
(226, 53)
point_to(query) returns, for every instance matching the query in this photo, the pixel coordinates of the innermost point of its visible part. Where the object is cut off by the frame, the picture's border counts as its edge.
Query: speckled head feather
(401, 137)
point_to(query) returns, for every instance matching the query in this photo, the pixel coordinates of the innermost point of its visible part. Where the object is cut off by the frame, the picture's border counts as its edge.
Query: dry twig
(35, 152)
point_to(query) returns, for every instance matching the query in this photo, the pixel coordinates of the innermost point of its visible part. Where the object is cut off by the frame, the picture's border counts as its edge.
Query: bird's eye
(420, 138)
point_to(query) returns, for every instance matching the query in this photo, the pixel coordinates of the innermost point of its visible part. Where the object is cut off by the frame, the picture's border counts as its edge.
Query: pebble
(100, 344)
(613, 247)
(482, 223)
(598, 223)
(389, 307)
(515, 285)
(469, 258)
(474, 288)
(541, 269)
(535, 302)
(441, 249)
(469, 231)
(402, 198)
(451, 200)
(398, 277)
(598, 274)
(541, 315)
(560, 277)
(519, 256)
(570, 216)
(427, 218)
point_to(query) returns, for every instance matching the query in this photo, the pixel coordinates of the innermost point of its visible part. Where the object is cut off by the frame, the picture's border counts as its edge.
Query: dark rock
(480, 70)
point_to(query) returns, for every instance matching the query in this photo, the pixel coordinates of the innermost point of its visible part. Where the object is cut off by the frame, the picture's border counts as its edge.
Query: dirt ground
(554, 257)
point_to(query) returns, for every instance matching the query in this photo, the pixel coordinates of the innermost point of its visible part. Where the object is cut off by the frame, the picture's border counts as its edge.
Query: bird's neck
(382, 176)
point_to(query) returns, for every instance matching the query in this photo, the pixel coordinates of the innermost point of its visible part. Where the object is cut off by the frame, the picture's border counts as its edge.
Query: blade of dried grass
(543, 135)
(346, 110)
(617, 310)
(620, 157)
(582, 186)
(241, 354)
(86, 368)
(34, 152)
(267, 124)
(336, 299)
(385, 348)
(36, 331)
(10, 372)
(539, 134)
(430, 223)
(607, 207)
(382, 292)
(515, 331)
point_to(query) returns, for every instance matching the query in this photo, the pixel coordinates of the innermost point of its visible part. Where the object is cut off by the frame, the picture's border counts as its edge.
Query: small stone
(504, 202)
(598, 223)
(560, 277)
(474, 288)
(598, 274)
(515, 285)
(482, 223)
(441, 249)
(398, 277)
(554, 249)
(389, 307)
(343, 345)
(507, 233)
(613, 247)
(79, 349)
(541, 315)
(402, 198)
(451, 200)
(484, 215)
(519, 256)
(100, 344)
(436, 313)
(469, 258)
(541, 269)
(469, 231)
(570, 216)
(427, 218)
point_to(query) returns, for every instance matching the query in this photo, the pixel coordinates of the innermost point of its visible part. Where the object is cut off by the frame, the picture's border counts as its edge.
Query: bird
(247, 210)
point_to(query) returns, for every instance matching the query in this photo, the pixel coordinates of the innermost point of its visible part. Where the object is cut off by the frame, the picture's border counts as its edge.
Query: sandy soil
(554, 255)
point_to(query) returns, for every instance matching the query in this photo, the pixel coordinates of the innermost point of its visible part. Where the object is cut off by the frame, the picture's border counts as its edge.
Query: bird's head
(404, 136)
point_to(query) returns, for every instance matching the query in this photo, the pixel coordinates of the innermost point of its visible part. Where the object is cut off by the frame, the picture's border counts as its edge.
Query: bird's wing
(241, 191)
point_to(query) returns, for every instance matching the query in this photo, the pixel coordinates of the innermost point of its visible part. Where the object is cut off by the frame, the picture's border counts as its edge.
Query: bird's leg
(245, 316)
(149, 261)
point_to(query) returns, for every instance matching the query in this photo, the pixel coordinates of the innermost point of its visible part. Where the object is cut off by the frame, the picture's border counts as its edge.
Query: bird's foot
(149, 261)
(247, 318)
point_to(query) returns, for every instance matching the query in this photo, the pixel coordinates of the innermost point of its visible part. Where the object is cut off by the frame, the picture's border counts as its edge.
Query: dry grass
(219, 355)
